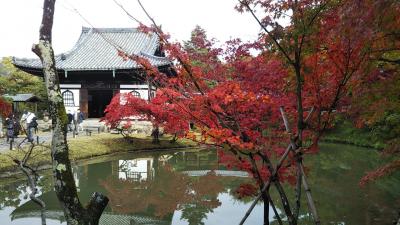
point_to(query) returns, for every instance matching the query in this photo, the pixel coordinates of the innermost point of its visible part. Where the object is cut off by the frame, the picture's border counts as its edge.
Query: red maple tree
(246, 104)
(5, 108)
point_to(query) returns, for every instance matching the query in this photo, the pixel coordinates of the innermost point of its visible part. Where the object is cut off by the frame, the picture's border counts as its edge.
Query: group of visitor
(30, 124)
(14, 127)
(75, 120)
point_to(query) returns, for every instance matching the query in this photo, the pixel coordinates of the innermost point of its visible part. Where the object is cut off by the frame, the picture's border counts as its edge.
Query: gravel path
(44, 137)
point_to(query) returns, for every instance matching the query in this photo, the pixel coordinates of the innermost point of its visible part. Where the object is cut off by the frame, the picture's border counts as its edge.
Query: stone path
(45, 137)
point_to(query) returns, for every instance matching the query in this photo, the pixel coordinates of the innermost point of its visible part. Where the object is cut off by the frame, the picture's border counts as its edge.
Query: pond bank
(173, 185)
(88, 147)
(345, 133)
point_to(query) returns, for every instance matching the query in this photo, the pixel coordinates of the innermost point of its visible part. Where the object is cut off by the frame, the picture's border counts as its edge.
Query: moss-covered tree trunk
(65, 187)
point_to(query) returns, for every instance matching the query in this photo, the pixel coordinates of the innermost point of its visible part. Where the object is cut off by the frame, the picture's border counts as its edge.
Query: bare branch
(32, 177)
(281, 49)
(127, 13)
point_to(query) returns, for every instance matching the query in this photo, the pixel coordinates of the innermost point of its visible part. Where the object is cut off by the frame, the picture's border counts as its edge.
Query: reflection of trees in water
(168, 192)
(335, 174)
(168, 189)
(10, 194)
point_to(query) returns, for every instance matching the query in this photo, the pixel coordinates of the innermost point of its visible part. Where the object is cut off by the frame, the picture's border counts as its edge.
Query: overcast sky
(20, 20)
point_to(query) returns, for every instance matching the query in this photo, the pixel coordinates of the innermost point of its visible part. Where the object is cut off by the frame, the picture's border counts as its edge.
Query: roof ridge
(110, 29)
(82, 39)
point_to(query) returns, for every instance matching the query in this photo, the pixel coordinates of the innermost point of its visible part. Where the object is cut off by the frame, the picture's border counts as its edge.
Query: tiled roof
(107, 218)
(23, 98)
(96, 49)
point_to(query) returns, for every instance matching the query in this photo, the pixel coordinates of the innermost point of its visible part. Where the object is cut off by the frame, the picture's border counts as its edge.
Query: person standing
(70, 117)
(23, 119)
(80, 119)
(10, 127)
(30, 123)
(75, 121)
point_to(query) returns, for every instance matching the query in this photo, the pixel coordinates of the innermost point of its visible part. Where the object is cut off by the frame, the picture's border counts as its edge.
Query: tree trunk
(155, 133)
(65, 187)
(265, 198)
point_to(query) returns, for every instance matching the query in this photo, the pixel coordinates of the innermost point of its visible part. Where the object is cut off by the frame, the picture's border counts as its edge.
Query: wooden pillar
(115, 92)
(14, 107)
(83, 102)
(148, 90)
(115, 168)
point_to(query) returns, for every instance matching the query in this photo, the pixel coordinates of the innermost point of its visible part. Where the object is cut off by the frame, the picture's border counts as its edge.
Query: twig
(32, 176)
(281, 49)
(126, 11)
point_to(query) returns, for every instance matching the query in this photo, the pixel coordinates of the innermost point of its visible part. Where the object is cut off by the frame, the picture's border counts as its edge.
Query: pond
(178, 187)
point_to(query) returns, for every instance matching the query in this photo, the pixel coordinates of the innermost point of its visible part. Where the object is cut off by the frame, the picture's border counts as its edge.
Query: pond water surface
(177, 187)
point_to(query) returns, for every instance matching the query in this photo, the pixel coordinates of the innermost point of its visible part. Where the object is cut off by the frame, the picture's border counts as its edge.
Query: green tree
(15, 81)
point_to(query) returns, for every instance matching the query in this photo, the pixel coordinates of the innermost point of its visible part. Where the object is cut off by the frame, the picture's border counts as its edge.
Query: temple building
(92, 72)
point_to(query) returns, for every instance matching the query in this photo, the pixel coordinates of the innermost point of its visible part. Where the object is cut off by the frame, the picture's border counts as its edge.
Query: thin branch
(268, 32)
(32, 177)
(126, 11)
(159, 33)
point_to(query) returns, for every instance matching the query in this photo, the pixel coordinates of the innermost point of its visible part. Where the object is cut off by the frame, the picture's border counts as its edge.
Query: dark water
(177, 188)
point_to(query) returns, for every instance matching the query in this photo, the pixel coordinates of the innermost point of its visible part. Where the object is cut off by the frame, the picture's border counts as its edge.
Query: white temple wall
(139, 167)
(74, 88)
(141, 88)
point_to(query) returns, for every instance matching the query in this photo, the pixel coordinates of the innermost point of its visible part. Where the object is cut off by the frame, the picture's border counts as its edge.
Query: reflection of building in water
(107, 218)
(75, 173)
(137, 169)
(80, 175)
(146, 167)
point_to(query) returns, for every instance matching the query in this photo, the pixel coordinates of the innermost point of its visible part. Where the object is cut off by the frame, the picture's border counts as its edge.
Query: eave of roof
(23, 98)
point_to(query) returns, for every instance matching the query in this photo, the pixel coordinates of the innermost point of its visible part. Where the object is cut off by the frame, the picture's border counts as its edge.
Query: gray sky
(20, 20)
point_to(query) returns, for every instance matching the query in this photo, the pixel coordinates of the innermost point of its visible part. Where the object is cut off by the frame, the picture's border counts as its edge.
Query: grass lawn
(85, 147)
